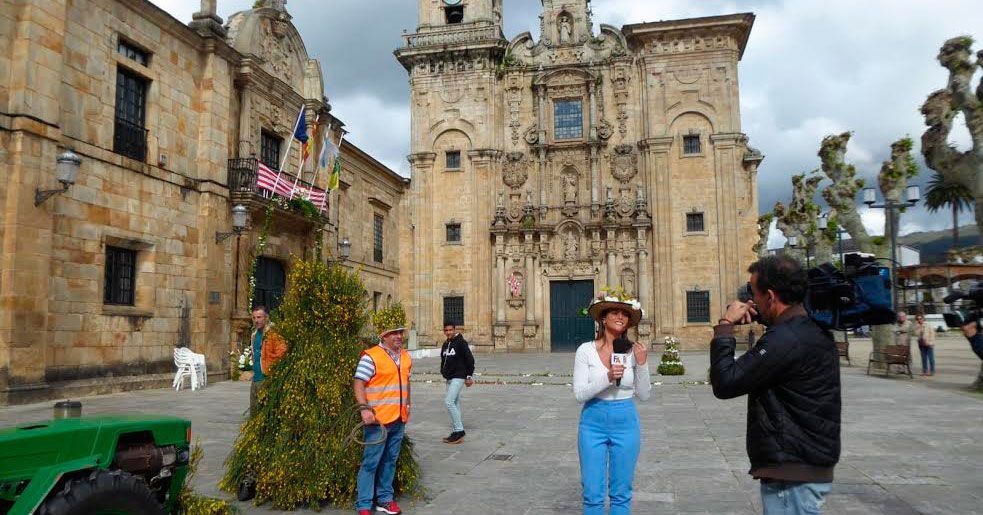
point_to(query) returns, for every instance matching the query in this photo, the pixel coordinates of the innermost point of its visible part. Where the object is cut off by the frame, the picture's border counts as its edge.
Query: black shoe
(455, 438)
(246, 491)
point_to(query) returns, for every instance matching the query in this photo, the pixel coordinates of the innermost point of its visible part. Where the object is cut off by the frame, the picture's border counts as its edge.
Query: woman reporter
(609, 436)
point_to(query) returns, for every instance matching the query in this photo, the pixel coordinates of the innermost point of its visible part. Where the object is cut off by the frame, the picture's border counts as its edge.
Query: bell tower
(446, 13)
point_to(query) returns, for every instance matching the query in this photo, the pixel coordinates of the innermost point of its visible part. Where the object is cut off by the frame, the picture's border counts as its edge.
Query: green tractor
(129, 464)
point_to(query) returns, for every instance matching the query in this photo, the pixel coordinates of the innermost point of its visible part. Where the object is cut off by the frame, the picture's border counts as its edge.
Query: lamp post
(823, 224)
(240, 219)
(912, 196)
(793, 241)
(344, 250)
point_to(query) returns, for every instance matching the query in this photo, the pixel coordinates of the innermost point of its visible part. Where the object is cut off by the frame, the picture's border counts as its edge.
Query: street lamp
(793, 241)
(824, 224)
(912, 196)
(67, 166)
(344, 249)
(240, 217)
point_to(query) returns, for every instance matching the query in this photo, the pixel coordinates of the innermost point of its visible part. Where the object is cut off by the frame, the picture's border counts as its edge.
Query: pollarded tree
(841, 195)
(800, 219)
(764, 229)
(940, 109)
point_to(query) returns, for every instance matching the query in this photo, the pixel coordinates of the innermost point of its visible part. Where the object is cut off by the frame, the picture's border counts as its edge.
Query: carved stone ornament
(604, 130)
(532, 134)
(514, 172)
(626, 204)
(571, 245)
(275, 50)
(624, 163)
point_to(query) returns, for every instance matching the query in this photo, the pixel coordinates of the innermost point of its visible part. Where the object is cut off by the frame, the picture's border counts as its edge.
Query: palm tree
(942, 193)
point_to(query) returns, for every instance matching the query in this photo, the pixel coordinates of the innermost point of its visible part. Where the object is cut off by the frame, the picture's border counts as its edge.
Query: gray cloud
(811, 68)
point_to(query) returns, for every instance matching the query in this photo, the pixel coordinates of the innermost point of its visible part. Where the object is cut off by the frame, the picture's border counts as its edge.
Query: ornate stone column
(592, 102)
(530, 272)
(499, 289)
(422, 280)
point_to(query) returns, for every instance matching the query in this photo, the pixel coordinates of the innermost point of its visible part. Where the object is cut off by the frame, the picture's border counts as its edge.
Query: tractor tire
(103, 491)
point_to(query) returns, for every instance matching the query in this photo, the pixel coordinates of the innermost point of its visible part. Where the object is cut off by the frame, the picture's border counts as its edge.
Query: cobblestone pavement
(909, 445)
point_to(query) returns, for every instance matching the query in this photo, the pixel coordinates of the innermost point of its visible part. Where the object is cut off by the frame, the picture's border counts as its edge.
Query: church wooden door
(568, 327)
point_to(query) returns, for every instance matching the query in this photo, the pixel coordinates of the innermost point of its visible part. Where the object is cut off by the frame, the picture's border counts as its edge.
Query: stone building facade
(100, 282)
(547, 169)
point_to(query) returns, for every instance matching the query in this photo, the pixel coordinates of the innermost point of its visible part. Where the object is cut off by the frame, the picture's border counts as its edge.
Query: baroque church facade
(547, 169)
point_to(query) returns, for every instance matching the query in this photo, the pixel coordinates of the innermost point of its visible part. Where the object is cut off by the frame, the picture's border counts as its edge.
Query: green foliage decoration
(190, 503)
(388, 318)
(295, 444)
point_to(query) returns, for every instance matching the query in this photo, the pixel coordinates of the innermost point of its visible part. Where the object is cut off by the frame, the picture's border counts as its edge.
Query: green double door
(568, 328)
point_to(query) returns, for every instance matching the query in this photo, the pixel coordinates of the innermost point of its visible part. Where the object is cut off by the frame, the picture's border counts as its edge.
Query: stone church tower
(544, 170)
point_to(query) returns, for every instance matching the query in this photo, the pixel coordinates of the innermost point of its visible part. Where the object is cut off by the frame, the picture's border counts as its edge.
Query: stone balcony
(247, 188)
(456, 35)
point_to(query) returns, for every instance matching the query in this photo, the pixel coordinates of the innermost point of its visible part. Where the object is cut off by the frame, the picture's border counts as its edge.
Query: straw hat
(389, 320)
(612, 300)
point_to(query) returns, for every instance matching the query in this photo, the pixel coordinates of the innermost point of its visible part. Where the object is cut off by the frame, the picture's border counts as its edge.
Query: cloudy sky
(811, 68)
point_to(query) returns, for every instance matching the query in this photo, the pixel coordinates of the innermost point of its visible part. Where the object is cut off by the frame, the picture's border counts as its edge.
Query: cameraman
(792, 380)
(972, 333)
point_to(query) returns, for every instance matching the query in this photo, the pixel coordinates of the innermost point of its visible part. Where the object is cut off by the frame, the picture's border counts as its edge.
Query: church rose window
(568, 119)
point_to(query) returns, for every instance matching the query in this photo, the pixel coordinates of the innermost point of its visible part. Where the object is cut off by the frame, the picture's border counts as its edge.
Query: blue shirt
(257, 357)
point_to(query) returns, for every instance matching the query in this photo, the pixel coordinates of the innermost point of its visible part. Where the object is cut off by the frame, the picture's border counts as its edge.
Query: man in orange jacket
(382, 390)
(268, 345)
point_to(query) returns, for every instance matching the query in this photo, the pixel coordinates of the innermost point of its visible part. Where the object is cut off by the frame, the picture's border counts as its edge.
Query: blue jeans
(375, 476)
(453, 402)
(928, 359)
(793, 498)
(608, 440)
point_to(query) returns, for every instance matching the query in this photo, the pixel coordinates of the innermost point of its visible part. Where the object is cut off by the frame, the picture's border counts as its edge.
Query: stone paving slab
(909, 445)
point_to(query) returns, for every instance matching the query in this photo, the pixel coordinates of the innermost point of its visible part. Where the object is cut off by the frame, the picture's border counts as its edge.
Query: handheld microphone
(619, 353)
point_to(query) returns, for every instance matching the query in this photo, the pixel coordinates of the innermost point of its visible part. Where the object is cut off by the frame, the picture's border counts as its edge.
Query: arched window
(270, 283)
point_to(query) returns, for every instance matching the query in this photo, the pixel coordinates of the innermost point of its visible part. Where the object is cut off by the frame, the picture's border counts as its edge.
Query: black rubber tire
(103, 490)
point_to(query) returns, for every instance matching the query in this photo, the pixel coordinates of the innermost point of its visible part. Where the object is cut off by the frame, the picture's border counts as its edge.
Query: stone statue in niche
(628, 281)
(570, 187)
(570, 246)
(516, 285)
(566, 30)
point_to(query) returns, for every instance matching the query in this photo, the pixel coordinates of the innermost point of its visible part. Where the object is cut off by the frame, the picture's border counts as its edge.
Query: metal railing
(130, 139)
(244, 175)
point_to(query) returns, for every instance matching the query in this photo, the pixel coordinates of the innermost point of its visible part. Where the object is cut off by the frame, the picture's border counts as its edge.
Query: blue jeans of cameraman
(793, 498)
(608, 441)
(375, 476)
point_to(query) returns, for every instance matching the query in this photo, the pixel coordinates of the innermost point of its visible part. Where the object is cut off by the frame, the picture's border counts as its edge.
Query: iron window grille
(691, 144)
(271, 280)
(697, 307)
(454, 310)
(130, 133)
(453, 233)
(119, 287)
(377, 240)
(269, 149)
(568, 119)
(694, 222)
(453, 159)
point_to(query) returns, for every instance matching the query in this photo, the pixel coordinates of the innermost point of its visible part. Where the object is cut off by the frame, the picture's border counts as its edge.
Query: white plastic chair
(188, 365)
(200, 367)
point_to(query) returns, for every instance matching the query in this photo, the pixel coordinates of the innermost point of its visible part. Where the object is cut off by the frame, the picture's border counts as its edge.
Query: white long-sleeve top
(590, 378)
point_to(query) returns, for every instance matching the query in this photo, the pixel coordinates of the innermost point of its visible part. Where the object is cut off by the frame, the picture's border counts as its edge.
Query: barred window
(129, 132)
(377, 240)
(453, 233)
(120, 275)
(694, 222)
(453, 159)
(697, 307)
(691, 144)
(271, 282)
(269, 149)
(568, 119)
(454, 310)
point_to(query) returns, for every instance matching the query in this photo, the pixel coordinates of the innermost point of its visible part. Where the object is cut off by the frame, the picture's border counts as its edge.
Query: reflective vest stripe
(377, 389)
(384, 401)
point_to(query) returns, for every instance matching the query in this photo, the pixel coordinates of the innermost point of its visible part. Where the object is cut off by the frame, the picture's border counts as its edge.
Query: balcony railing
(248, 179)
(450, 37)
(130, 139)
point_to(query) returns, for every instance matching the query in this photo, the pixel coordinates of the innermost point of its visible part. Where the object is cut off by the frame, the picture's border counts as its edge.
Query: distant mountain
(934, 244)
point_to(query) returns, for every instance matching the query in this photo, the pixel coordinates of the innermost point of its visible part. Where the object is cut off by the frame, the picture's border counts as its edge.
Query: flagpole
(317, 167)
(329, 189)
(286, 153)
(300, 169)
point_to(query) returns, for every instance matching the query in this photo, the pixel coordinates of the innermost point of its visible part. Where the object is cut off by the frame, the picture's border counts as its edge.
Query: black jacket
(456, 360)
(792, 380)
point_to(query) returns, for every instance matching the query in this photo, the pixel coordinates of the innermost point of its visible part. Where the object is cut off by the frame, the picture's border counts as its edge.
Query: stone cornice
(422, 158)
(484, 154)
(656, 144)
(691, 34)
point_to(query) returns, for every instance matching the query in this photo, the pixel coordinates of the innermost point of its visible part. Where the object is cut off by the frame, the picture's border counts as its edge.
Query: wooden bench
(891, 355)
(844, 349)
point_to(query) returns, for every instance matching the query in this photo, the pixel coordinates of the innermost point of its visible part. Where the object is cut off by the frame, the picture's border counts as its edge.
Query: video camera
(966, 312)
(857, 295)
